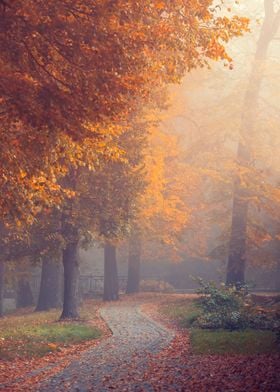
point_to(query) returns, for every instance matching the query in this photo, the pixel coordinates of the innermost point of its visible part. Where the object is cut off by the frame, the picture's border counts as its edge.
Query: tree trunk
(50, 287)
(71, 281)
(2, 285)
(237, 245)
(277, 272)
(134, 260)
(111, 283)
(24, 293)
(237, 248)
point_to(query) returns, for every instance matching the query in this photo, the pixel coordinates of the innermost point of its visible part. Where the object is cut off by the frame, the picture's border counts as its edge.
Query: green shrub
(222, 307)
(263, 320)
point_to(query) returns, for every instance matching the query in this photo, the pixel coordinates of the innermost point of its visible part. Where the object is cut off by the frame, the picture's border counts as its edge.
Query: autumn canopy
(82, 84)
(75, 72)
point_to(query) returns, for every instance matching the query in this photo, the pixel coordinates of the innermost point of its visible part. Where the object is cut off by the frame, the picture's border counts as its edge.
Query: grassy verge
(36, 334)
(235, 342)
(183, 311)
(223, 342)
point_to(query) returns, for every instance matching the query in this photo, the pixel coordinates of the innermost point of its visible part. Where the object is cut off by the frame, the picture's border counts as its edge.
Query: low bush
(222, 307)
(231, 308)
(187, 314)
(259, 318)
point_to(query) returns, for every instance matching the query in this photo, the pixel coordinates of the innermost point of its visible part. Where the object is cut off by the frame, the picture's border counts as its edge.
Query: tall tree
(110, 199)
(237, 247)
(71, 280)
(75, 74)
(70, 257)
(162, 210)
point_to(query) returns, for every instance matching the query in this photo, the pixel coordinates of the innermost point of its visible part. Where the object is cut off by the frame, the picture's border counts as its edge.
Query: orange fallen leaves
(26, 373)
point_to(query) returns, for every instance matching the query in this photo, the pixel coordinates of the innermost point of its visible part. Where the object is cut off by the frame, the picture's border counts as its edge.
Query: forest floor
(144, 350)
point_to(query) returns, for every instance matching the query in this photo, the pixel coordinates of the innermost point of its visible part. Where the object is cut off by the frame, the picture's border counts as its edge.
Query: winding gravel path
(117, 363)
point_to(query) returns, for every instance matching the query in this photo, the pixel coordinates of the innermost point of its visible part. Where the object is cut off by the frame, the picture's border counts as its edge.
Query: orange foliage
(72, 68)
(164, 208)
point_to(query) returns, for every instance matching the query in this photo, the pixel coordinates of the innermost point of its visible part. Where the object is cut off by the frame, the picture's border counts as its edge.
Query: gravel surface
(117, 363)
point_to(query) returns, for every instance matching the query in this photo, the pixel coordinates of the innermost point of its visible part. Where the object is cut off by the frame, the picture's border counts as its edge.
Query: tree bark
(277, 272)
(277, 277)
(237, 246)
(71, 281)
(2, 285)
(24, 293)
(50, 287)
(111, 283)
(134, 261)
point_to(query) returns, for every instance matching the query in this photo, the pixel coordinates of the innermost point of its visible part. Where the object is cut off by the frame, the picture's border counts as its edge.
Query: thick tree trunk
(277, 272)
(24, 293)
(111, 283)
(71, 282)
(50, 287)
(2, 272)
(277, 278)
(134, 261)
(237, 246)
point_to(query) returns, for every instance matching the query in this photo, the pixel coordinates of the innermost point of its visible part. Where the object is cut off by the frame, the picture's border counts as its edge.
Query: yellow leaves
(22, 173)
(76, 92)
(105, 128)
(257, 236)
(163, 209)
(18, 223)
(160, 5)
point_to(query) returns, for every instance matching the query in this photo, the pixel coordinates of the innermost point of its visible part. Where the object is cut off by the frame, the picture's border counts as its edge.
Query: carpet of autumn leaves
(175, 368)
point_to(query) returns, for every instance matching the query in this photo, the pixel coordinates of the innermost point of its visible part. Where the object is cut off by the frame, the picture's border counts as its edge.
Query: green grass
(203, 341)
(35, 334)
(235, 342)
(182, 311)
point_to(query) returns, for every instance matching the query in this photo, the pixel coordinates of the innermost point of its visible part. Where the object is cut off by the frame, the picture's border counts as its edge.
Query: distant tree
(134, 263)
(32, 242)
(24, 293)
(212, 127)
(111, 284)
(121, 184)
(50, 294)
(162, 208)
